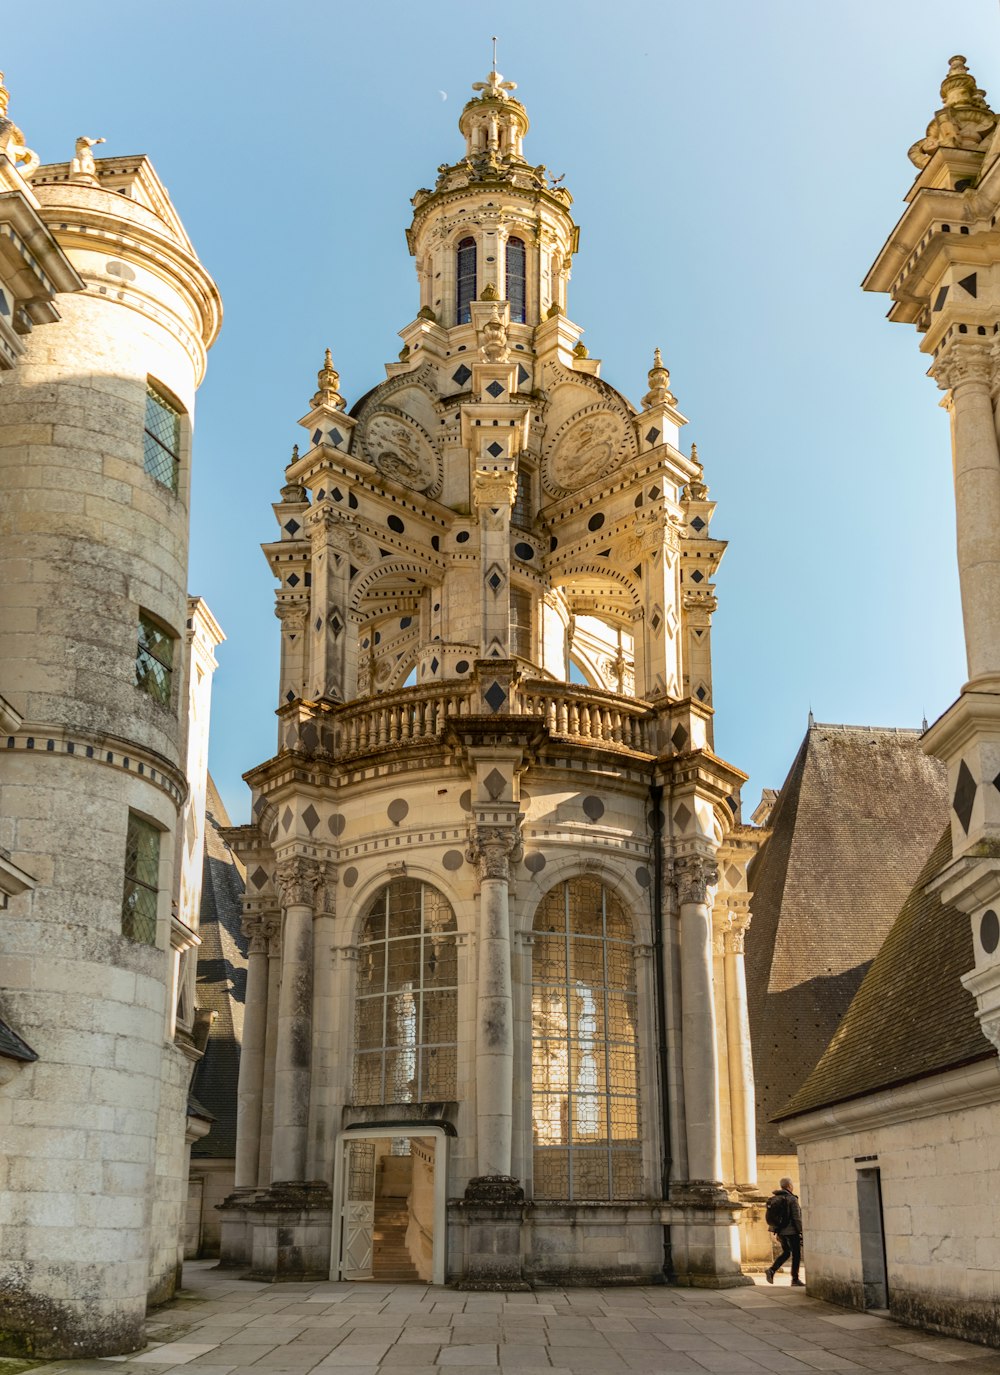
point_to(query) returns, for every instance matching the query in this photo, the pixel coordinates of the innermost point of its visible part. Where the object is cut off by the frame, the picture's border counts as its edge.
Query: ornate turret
(964, 121)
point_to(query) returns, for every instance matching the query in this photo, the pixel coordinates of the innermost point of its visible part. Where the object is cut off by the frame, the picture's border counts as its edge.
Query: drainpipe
(656, 798)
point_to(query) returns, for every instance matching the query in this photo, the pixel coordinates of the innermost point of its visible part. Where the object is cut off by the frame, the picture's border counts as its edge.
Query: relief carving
(694, 876)
(297, 880)
(493, 850)
(401, 451)
(584, 453)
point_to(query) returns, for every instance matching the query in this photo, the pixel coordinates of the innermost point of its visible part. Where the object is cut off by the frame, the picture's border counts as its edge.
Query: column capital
(492, 849)
(736, 927)
(694, 875)
(494, 487)
(958, 363)
(258, 928)
(297, 880)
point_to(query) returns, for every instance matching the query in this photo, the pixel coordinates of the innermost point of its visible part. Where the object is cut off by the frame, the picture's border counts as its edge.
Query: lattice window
(466, 271)
(406, 1013)
(142, 872)
(516, 294)
(154, 659)
(585, 1053)
(520, 622)
(161, 441)
(523, 511)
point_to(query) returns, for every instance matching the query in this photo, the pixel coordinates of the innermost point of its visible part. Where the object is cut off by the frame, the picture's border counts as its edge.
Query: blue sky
(735, 168)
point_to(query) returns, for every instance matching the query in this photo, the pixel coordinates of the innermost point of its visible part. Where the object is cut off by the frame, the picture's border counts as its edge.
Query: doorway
(874, 1277)
(390, 1205)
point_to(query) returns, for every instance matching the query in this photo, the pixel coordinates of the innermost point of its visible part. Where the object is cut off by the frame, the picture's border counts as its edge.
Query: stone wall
(942, 1235)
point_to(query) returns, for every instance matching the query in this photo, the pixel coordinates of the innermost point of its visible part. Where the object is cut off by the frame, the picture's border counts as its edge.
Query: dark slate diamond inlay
(337, 494)
(697, 576)
(679, 738)
(495, 449)
(293, 580)
(655, 621)
(311, 817)
(286, 818)
(461, 375)
(495, 581)
(495, 389)
(652, 435)
(434, 665)
(494, 696)
(317, 435)
(494, 783)
(701, 694)
(965, 795)
(338, 439)
(292, 526)
(698, 524)
(289, 696)
(259, 877)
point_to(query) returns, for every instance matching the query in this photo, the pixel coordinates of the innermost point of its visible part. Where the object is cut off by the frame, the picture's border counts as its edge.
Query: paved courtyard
(223, 1325)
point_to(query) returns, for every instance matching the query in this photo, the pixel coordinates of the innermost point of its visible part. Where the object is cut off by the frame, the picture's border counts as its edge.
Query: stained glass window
(142, 871)
(466, 264)
(585, 1053)
(154, 659)
(161, 441)
(516, 279)
(406, 1012)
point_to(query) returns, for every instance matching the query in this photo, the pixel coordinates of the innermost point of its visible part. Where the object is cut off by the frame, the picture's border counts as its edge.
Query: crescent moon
(443, 95)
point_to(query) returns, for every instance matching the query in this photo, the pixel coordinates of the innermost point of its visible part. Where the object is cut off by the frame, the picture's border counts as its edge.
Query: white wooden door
(358, 1219)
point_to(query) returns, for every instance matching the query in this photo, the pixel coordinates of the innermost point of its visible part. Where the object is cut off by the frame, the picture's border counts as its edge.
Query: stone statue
(83, 167)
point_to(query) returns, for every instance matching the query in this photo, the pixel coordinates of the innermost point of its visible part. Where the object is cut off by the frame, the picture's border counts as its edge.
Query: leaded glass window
(466, 273)
(520, 622)
(522, 512)
(154, 659)
(584, 1053)
(161, 441)
(406, 1011)
(142, 872)
(516, 295)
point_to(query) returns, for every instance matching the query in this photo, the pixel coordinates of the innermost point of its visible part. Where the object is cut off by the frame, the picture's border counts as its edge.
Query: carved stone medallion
(401, 451)
(585, 452)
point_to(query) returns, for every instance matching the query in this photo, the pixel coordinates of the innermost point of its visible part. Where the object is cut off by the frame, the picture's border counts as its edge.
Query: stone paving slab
(222, 1325)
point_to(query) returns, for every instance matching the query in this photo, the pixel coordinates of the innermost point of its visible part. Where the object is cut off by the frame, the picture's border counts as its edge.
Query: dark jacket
(794, 1225)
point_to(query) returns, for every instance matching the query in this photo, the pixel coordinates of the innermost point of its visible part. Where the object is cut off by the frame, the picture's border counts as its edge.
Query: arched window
(584, 1050)
(515, 279)
(406, 1012)
(466, 273)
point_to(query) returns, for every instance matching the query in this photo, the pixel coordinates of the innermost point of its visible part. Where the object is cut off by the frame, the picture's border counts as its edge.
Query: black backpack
(778, 1212)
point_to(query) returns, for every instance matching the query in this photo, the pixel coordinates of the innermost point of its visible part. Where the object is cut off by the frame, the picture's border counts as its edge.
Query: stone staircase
(391, 1261)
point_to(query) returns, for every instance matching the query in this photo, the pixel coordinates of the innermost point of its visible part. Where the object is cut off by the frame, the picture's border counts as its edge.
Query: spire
(965, 120)
(329, 386)
(659, 384)
(696, 489)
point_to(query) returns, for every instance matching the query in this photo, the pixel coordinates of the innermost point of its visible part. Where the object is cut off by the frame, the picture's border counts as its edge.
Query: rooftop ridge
(883, 730)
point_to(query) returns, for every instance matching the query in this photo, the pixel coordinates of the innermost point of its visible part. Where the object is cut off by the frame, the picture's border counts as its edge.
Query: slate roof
(852, 826)
(12, 1047)
(911, 1016)
(221, 986)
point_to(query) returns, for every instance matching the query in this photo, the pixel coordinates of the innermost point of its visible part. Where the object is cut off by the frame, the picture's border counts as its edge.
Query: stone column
(741, 1083)
(270, 1051)
(964, 369)
(492, 850)
(322, 1129)
(250, 1089)
(493, 492)
(297, 880)
(695, 875)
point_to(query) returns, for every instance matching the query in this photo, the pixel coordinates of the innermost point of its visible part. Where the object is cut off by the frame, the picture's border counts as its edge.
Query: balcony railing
(416, 716)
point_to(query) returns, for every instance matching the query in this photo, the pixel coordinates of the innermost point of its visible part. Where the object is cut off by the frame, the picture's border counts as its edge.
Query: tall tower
(95, 461)
(495, 859)
(941, 266)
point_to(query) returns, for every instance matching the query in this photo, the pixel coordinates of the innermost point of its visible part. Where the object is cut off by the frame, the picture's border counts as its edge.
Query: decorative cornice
(110, 750)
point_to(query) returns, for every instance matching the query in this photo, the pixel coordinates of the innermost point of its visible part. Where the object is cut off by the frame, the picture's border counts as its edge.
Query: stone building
(840, 857)
(105, 676)
(495, 1024)
(897, 1126)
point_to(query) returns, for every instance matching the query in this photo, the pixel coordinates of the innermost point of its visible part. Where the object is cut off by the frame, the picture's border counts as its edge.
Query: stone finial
(696, 489)
(580, 350)
(659, 393)
(489, 293)
(293, 489)
(328, 380)
(494, 347)
(965, 120)
(12, 140)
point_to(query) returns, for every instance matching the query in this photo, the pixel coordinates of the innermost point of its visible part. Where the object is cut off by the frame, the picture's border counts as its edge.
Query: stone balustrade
(410, 717)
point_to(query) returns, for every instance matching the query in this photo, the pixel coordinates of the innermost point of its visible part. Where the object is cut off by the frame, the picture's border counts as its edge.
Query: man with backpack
(784, 1218)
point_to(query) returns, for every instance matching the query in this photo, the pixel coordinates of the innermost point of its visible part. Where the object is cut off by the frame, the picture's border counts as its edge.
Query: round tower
(95, 462)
